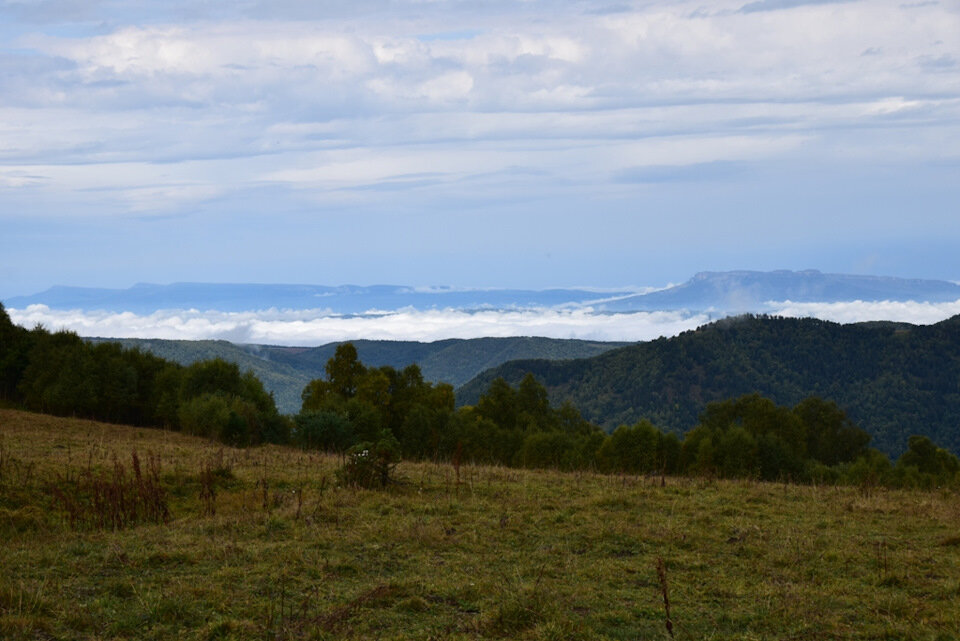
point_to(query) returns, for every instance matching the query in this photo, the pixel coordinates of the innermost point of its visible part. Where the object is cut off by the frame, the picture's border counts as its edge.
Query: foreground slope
(893, 379)
(282, 552)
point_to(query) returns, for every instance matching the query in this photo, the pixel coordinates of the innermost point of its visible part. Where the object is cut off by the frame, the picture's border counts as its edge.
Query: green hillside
(453, 361)
(286, 370)
(285, 382)
(893, 379)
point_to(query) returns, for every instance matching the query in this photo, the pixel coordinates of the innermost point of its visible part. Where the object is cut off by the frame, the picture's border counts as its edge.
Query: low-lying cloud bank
(918, 313)
(316, 327)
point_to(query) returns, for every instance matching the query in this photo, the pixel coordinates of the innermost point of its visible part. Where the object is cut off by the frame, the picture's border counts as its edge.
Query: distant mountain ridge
(345, 299)
(748, 291)
(894, 379)
(722, 292)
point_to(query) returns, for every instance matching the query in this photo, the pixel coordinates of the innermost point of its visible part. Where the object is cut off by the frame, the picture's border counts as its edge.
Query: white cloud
(315, 327)
(252, 120)
(524, 78)
(860, 311)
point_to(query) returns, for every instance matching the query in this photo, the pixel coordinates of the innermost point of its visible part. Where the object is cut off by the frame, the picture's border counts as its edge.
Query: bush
(206, 415)
(321, 430)
(870, 469)
(371, 464)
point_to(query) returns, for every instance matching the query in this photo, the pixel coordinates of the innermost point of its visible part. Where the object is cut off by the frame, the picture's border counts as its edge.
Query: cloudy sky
(467, 143)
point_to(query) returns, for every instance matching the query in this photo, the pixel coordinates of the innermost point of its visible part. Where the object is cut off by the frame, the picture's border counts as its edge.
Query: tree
(319, 430)
(318, 395)
(531, 400)
(630, 449)
(831, 437)
(499, 404)
(547, 450)
(15, 344)
(935, 463)
(344, 370)
(205, 415)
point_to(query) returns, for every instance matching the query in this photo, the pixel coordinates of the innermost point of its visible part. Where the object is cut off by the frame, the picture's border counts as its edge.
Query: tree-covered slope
(285, 371)
(893, 379)
(286, 383)
(453, 361)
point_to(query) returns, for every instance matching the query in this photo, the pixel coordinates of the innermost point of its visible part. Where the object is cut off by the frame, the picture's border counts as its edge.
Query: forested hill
(285, 371)
(453, 361)
(283, 381)
(893, 379)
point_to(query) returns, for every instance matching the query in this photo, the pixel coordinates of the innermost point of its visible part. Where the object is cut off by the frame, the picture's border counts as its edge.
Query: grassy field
(262, 544)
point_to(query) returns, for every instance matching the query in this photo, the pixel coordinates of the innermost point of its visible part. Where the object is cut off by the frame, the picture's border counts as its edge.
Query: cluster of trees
(60, 373)
(814, 441)
(747, 437)
(355, 403)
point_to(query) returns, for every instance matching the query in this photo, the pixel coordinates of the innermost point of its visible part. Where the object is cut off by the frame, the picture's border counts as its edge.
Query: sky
(524, 144)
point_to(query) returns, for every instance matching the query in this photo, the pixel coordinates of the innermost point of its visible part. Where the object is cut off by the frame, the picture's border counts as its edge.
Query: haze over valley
(314, 315)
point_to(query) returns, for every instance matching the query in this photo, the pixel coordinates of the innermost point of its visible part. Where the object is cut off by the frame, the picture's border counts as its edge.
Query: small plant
(880, 548)
(662, 579)
(4, 462)
(113, 500)
(208, 489)
(457, 456)
(371, 464)
(521, 607)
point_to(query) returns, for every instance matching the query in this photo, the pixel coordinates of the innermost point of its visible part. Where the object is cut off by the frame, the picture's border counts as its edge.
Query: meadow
(114, 532)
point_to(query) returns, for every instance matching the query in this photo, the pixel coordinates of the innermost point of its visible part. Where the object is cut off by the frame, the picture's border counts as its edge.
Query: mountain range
(721, 292)
(345, 299)
(749, 291)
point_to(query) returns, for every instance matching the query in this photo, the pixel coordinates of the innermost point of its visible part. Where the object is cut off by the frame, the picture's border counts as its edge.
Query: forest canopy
(893, 379)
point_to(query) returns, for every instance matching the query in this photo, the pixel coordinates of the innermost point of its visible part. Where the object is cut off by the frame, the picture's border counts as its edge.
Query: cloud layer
(316, 327)
(430, 95)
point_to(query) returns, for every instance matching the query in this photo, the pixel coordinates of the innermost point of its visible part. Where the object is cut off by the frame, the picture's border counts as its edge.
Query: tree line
(59, 373)
(386, 409)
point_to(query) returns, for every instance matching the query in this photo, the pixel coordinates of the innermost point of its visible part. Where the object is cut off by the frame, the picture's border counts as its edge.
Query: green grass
(282, 553)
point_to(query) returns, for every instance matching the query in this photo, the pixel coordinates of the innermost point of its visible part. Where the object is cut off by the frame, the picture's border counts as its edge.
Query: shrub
(371, 464)
(206, 415)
